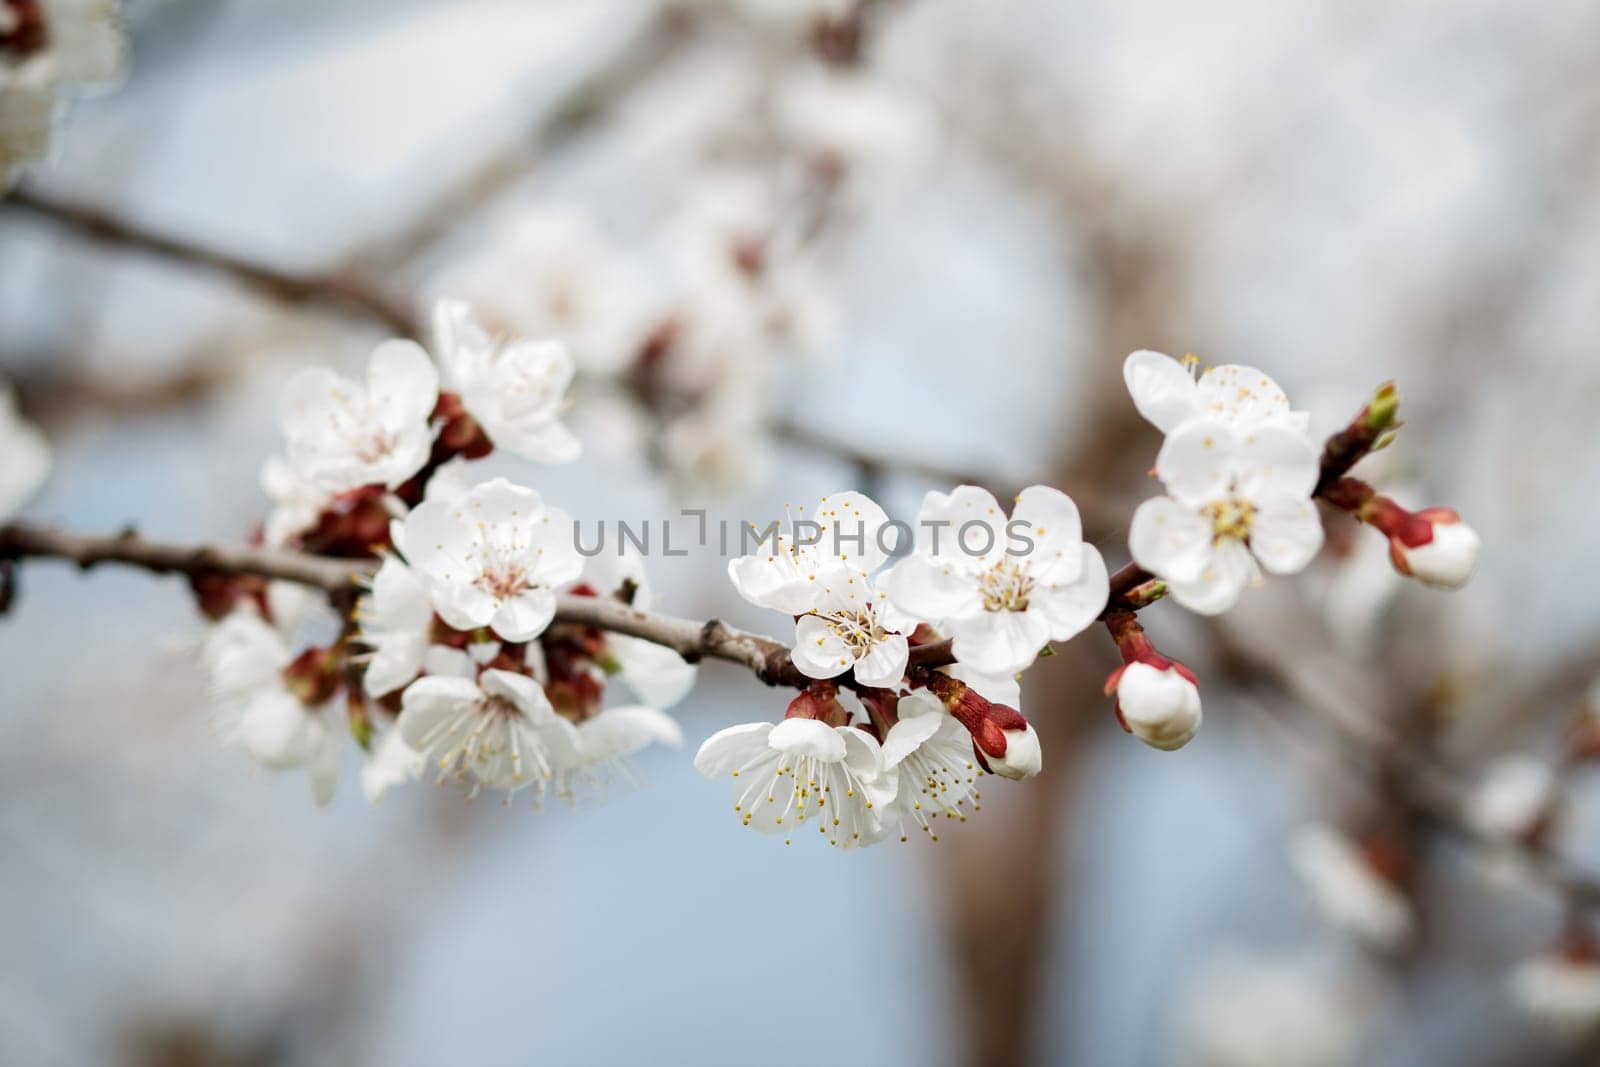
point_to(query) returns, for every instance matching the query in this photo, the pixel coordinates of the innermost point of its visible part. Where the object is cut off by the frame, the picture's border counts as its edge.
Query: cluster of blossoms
(1363, 883)
(686, 335)
(901, 745)
(47, 46)
(455, 640)
(1242, 476)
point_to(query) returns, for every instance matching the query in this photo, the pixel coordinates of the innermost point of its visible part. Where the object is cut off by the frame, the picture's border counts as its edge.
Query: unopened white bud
(1023, 757)
(1447, 561)
(1161, 707)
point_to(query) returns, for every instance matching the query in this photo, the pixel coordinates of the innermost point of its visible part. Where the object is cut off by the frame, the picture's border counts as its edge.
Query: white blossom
(1160, 706)
(1001, 598)
(851, 123)
(245, 657)
(550, 272)
(517, 390)
(802, 769)
(1349, 892)
(498, 731)
(1168, 395)
(24, 456)
(492, 558)
(837, 538)
(396, 624)
(1239, 497)
(852, 625)
(1561, 991)
(821, 572)
(718, 447)
(930, 753)
(343, 435)
(47, 46)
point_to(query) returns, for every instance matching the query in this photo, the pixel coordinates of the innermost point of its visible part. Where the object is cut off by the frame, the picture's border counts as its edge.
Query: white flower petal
(885, 663)
(1170, 539)
(1000, 642)
(808, 737)
(929, 590)
(1241, 396)
(819, 651)
(726, 751)
(1197, 461)
(1220, 583)
(1286, 534)
(1274, 461)
(1162, 389)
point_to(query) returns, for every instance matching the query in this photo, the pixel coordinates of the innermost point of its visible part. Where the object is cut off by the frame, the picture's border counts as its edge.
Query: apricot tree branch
(693, 639)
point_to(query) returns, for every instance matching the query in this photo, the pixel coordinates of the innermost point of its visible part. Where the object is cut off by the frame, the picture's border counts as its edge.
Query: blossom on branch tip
(799, 769)
(1167, 394)
(1239, 500)
(1003, 589)
(516, 390)
(343, 435)
(493, 557)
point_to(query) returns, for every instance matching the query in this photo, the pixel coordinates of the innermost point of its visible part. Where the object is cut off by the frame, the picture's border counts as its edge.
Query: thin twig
(286, 286)
(1311, 680)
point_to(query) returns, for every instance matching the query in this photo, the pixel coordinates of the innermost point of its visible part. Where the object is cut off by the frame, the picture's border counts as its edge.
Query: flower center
(859, 630)
(375, 446)
(1231, 519)
(1006, 586)
(486, 740)
(22, 28)
(943, 787)
(503, 579)
(785, 790)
